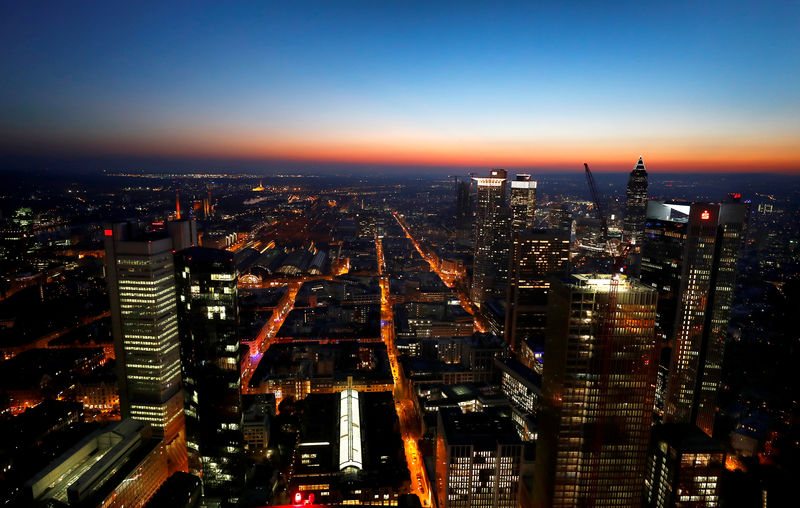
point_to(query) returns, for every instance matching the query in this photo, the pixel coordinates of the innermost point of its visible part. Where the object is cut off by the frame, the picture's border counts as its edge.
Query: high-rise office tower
(636, 203)
(463, 204)
(597, 384)
(490, 265)
(478, 460)
(559, 217)
(523, 202)
(141, 284)
(708, 275)
(535, 256)
(210, 364)
(684, 468)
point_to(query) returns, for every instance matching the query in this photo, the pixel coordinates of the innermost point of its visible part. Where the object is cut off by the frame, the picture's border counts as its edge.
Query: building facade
(636, 204)
(708, 276)
(684, 468)
(478, 460)
(141, 283)
(210, 358)
(523, 202)
(119, 465)
(597, 385)
(490, 263)
(536, 255)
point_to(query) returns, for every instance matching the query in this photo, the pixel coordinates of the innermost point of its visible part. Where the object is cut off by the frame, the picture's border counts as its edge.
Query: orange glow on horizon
(778, 154)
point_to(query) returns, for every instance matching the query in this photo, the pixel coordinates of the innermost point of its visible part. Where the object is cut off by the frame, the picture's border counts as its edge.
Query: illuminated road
(267, 333)
(43, 342)
(409, 423)
(452, 280)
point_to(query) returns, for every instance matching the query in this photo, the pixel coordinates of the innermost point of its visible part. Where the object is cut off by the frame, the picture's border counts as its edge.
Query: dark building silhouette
(559, 217)
(210, 359)
(684, 468)
(463, 204)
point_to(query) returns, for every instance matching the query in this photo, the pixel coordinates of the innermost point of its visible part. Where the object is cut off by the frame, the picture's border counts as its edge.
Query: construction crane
(624, 248)
(596, 198)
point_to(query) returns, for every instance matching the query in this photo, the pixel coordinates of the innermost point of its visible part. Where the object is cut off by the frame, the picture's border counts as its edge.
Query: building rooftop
(485, 429)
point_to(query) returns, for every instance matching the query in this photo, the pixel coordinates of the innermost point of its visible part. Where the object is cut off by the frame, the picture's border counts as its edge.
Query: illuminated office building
(490, 265)
(523, 202)
(478, 460)
(684, 468)
(708, 276)
(210, 360)
(535, 256)
(636, 203)
(141, 284)
(598, 383)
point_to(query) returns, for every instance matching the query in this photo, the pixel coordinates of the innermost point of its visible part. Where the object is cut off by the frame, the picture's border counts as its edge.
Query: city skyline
(709, 87)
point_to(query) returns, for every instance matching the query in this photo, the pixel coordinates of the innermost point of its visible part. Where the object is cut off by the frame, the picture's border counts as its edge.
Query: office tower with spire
(536, 255)
(141, 284)
(597, 384)
(636, 204)
(490, 264)
(713, 241)
(523, 202)
(211, 355)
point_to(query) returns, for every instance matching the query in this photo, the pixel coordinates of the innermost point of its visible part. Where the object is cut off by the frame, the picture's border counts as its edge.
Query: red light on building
(298, 498)
(705, 215)
(108, 232)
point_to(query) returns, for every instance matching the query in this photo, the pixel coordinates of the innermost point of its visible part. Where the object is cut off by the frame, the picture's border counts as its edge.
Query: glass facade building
(523, 202)
(535, 256)
(635, 203)
(598, 384)
(684, 468)
(490, 263)
(211, 358)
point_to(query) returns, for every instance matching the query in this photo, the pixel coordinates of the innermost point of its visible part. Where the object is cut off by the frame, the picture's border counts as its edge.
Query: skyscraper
(684, 468)
(141, 284)
(463, 204)
(478, 460)
(597, 384)
(535, 256)
(210, 359)
(708, 275)
(490, 265)
(523, 202)
(559, 217)
(636, 203)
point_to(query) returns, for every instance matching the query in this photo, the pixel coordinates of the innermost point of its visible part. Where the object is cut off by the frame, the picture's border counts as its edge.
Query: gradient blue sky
(710, 85)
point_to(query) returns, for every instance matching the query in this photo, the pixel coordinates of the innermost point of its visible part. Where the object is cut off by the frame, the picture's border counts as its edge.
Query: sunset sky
(691, 86)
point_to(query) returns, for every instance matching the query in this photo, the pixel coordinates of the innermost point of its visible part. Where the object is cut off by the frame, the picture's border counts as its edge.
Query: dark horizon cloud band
(710, 87)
